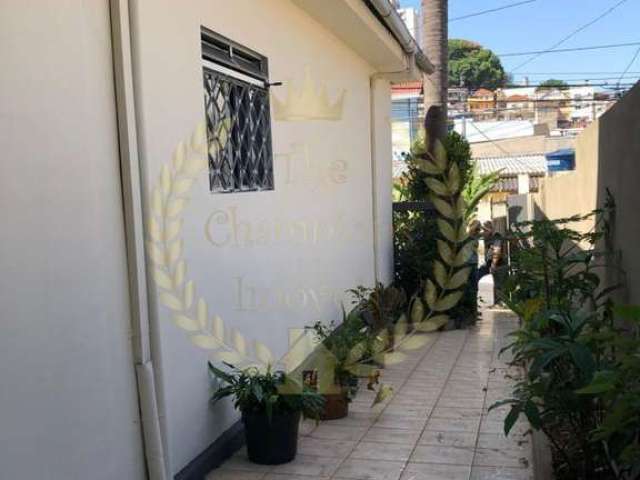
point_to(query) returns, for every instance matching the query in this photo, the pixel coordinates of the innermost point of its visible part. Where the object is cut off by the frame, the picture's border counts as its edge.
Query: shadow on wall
(619, 172)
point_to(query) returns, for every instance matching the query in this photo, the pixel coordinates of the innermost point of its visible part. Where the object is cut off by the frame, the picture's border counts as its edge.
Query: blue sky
(540, 24)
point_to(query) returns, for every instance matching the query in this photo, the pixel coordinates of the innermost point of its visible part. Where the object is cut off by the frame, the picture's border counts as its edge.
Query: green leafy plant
(581, 386)
(267, 392)
(346, 342)
(476, 188)
(380, 306)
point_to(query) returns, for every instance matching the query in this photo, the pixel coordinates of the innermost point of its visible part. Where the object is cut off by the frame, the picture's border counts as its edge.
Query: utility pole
(435, 35)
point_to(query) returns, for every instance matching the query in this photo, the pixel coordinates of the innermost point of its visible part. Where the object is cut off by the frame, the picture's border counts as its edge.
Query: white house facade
(181, 182)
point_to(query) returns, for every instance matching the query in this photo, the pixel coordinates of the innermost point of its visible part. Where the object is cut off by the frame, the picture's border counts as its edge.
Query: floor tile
(391, 435)
(433, 471)
(325, 448)
(397, 452)
(309, 465)
(448, 439)
(400, 422)
(338, 432)
(428, 430)
(369, 470)
(437, 454)
(493, 457)
(234, 475)
(500, 473)
(240, 462)
(454, 424)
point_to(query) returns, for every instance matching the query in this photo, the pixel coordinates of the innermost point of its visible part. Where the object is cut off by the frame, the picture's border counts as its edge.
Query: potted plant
(380, 308)
(345, 344)
(271, 405)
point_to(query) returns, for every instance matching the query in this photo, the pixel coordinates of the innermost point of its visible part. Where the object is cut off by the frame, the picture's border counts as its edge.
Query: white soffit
(355, 25)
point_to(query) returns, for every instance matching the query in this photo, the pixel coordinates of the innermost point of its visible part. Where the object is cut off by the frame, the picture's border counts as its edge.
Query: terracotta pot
(336, 406)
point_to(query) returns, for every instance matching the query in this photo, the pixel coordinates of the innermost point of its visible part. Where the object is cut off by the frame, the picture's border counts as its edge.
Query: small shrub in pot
(345, 343)
(271, 405)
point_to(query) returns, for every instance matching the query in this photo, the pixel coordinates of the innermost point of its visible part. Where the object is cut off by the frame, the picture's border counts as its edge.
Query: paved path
(436, 427)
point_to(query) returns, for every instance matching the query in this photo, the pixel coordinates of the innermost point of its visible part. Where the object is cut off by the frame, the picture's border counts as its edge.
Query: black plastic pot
(271, 442)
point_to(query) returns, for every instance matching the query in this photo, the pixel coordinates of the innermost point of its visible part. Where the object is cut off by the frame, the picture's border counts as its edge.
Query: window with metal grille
(236, 98)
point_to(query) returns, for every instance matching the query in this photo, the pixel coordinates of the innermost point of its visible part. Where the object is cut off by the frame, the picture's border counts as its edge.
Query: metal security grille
(236, 99)
(239, 134)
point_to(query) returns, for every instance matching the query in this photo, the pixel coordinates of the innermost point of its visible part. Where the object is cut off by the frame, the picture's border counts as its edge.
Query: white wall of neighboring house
(258, 284)
(68, 400)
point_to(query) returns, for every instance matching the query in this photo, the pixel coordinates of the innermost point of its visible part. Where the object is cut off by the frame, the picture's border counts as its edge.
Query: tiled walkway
(435, 427)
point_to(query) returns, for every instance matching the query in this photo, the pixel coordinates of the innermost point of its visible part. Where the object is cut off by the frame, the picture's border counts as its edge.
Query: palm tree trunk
(435, 37)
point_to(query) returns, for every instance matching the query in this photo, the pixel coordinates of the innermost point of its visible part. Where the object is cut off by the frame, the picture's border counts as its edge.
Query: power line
(499, 147)
(573, 73)
(571, 35)
(633, 59)
(587, 81)
(562, 50)
(492, 10)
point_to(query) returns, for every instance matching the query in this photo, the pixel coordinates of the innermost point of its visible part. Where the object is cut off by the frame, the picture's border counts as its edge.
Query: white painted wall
(68, 405)
(323, 176)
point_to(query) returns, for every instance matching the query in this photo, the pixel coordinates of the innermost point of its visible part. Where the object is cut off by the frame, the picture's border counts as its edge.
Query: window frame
(239, 67)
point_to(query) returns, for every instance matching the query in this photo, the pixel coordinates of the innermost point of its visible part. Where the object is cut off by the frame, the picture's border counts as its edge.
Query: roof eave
(381, 39)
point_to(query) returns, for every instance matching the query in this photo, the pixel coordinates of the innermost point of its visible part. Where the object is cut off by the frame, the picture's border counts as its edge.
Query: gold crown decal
(308, 103)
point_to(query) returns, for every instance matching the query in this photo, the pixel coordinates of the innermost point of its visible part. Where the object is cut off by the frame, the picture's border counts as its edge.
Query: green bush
(582, 386)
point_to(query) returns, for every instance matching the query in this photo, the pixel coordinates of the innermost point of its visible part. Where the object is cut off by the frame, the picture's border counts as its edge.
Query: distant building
(518, 107)
(407, 115)
(413, 20)
(491, 130)
(482, 103)
(457, 101)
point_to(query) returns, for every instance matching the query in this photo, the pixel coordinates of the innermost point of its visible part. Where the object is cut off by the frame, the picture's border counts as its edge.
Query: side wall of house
(263, 262)
(68, 401)
(565, 194)
(619, 172)
(607, 157)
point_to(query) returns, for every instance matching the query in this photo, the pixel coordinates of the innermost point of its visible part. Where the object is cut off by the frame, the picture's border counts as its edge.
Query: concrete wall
(260, 285)
(619, 171)
(565, 194)
(68, 403)
(607, 157)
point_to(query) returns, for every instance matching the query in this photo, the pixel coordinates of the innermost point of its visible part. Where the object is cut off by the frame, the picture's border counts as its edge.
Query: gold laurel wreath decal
(169, 199)
(450, 274)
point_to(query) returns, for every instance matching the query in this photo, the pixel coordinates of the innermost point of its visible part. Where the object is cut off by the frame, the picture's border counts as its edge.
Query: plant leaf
(453, 179)
(430, 294)
(428, 166)
(448, 302)
(437, 186)
(443, 207)
(446, 230)
(440, 154)
(440, 274)
(445, 251)
(433, 323)
(511, 419)
(458, 279)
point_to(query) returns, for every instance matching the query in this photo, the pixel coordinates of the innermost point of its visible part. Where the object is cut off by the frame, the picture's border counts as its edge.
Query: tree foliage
(473, 66)
(553, 83)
